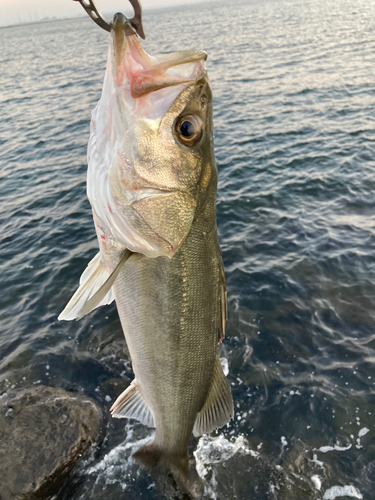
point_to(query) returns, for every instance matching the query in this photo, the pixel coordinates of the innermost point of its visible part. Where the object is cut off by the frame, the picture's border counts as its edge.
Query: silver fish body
(152, 184)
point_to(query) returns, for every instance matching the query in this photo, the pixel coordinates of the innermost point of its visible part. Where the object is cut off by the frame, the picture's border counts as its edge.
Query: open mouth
(145, 74)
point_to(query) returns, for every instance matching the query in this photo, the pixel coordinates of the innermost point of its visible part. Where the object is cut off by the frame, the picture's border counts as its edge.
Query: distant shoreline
(19, 25)
(83, 15)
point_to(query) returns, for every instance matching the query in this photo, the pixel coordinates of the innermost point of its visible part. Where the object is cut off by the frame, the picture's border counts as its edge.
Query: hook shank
(131, 26)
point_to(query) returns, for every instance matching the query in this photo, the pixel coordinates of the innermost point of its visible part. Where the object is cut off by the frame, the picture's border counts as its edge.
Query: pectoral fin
(218, 407)
(130, 404)
(94, 290)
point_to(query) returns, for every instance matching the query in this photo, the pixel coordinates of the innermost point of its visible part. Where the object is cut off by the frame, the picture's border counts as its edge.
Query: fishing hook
(133, 25)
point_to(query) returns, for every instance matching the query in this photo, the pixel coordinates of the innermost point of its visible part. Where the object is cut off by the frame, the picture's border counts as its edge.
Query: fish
(152, 186)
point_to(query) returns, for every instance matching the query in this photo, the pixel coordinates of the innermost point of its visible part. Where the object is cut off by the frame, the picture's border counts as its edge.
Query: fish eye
(189, 130)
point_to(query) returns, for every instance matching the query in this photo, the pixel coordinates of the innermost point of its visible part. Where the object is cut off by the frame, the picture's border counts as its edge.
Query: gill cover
(143, 173)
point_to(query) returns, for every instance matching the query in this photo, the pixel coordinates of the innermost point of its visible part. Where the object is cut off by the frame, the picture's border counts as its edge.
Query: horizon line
(58, 19)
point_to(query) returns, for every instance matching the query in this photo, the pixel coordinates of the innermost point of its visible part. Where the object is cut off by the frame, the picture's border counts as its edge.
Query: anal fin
(130, 404)
(218, 408)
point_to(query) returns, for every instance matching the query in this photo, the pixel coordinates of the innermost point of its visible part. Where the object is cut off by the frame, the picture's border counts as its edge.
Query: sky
(20, 11)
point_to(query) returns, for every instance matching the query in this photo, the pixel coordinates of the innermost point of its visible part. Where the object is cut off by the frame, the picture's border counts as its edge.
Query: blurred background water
(294, 108)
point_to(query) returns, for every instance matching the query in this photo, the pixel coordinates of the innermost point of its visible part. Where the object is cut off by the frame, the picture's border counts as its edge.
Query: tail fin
(151, 456)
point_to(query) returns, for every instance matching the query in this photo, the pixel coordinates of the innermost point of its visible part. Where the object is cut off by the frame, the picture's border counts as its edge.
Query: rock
(43, 433)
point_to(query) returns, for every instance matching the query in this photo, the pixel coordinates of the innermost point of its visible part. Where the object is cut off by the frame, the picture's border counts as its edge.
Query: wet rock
(43, 433)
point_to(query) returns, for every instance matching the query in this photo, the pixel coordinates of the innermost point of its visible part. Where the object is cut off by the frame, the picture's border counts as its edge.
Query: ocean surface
(294, 116)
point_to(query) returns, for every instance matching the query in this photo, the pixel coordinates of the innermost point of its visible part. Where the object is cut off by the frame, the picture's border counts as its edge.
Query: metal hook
(133, 25)
(136, 21)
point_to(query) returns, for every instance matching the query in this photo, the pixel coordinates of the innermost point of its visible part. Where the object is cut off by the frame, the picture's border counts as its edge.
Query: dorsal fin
(217, 409)
(130, 404)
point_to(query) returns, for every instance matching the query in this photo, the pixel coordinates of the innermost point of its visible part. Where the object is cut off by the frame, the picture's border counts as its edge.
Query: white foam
(326, 449)
(363, 432)
(224, 365)
(341, 491)
(284, 442)
(215, 450)
(115, 466)
(317, 462)
(317, 482)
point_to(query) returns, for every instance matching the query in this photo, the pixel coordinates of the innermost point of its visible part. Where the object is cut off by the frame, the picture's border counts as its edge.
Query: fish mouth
(143, 74)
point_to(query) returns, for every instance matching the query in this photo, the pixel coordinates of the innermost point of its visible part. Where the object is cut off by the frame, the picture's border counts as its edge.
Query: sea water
(294, 107)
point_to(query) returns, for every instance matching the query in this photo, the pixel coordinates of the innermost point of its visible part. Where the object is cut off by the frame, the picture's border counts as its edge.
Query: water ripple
(294, 141)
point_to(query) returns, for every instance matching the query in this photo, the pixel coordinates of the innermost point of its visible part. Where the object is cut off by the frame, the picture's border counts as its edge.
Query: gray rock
(43, 433)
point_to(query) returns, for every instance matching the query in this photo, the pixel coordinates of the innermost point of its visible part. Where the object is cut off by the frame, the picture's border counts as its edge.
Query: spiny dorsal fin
(94, 290)
(130, 404)
(218, 407)
(223, 304)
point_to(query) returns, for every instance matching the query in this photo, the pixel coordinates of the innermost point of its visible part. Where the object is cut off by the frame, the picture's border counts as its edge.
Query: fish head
(151, 140)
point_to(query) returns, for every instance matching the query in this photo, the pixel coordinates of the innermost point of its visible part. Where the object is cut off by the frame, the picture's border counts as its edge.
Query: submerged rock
(43, 433)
